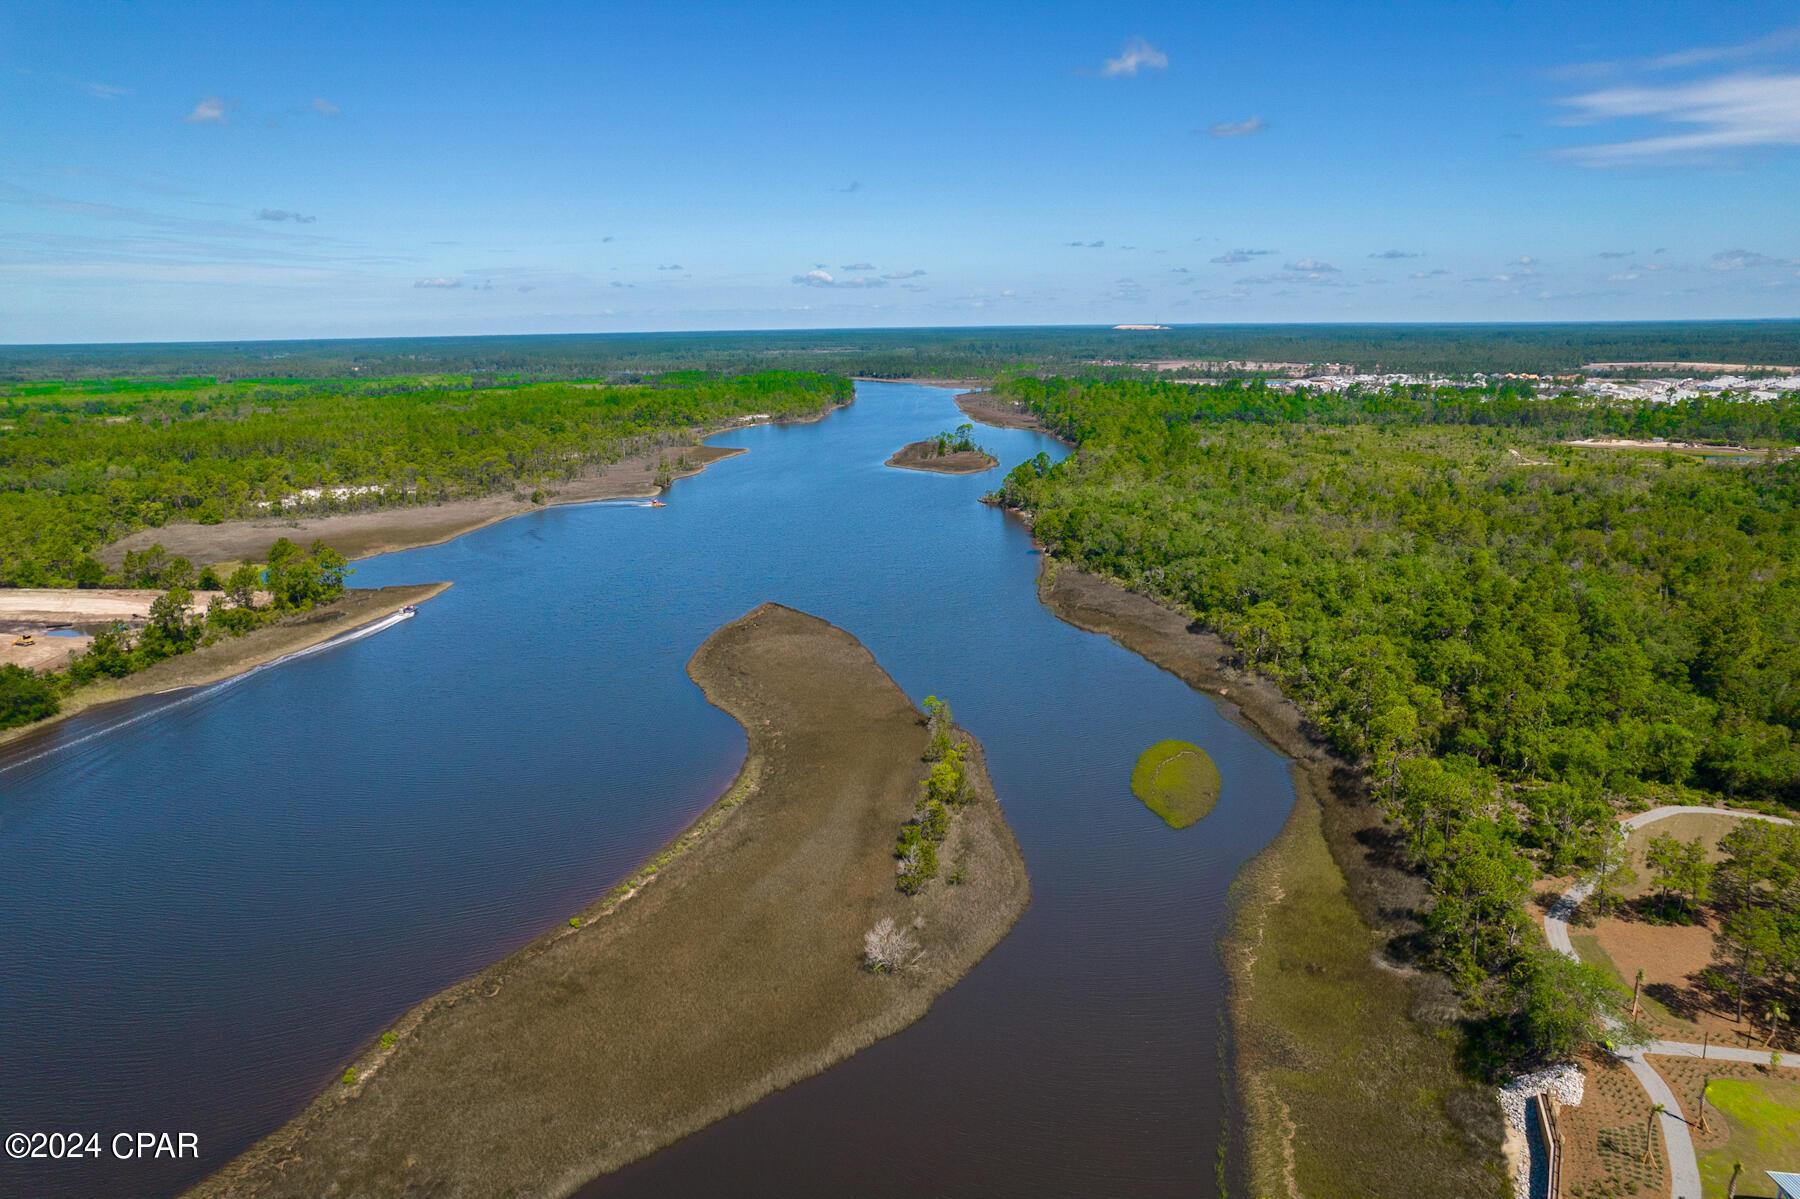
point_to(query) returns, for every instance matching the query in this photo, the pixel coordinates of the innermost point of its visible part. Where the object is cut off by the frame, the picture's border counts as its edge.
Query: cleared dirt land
(728, 966)
(1328, 1042)
(923, 455)
(384, 530)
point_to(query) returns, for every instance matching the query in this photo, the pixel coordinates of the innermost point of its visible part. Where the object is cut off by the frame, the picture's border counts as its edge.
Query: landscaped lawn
(1764, 1119)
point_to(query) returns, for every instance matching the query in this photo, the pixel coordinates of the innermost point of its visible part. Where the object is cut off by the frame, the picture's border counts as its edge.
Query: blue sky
(215, 171)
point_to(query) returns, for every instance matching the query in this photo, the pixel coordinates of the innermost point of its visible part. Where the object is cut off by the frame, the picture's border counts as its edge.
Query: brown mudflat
(923, 455)
(989, 409)
(728, 966)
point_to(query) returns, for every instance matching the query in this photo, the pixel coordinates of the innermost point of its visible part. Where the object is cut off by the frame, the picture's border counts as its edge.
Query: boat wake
(188, 695)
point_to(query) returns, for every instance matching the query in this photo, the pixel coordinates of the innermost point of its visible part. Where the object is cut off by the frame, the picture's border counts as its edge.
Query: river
(204, 913)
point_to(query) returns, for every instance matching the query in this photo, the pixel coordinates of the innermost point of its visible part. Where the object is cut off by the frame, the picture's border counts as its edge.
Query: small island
(1177, 780)
(951, 453)
(856, 869)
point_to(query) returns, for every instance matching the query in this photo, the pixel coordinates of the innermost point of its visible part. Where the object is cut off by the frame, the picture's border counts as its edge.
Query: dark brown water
(204, 913)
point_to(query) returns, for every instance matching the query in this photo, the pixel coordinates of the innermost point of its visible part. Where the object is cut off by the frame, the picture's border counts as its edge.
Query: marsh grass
(1344, 1094)
(1178, 781)
(730, 964)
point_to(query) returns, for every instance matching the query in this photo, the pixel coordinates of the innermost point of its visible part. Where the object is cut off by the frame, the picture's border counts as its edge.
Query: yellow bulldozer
(25, 639)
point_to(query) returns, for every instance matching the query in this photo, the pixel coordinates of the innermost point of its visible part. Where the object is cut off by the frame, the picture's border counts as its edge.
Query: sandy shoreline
(674, 1005)
(921, 382)
(218, 662)
(387, 530)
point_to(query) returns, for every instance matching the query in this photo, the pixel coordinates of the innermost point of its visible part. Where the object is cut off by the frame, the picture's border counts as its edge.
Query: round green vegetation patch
(1177, 781)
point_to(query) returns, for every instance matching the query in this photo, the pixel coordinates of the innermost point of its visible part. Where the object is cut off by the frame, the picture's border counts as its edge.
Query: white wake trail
(201, 692)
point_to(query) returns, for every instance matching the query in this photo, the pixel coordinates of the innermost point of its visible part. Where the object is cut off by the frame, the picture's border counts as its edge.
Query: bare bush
(887, 947)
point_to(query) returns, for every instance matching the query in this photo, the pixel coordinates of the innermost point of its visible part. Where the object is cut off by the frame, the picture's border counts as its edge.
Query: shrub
(887, 947)
(25, 696)
(350, 1077)
(917, 862)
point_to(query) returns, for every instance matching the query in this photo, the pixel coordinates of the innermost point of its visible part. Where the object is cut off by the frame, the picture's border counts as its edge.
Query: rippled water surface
(209, 906)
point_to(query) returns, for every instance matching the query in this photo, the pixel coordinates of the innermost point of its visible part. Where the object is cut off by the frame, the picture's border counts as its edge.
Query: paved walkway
(1684, 1167)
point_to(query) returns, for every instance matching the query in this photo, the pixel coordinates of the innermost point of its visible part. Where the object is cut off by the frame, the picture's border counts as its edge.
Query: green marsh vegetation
(84, 464)
(1517, 639)
(941, 797)
(1177, 780)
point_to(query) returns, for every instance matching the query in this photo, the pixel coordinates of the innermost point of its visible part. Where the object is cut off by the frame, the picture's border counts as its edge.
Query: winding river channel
(206, 911)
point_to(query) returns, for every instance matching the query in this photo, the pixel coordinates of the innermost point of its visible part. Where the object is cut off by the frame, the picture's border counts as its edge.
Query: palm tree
(1636, 986)
(1650, 1132)
(1731, 1187)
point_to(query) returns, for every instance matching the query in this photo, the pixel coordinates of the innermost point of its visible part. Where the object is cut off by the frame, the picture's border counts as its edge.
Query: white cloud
(860, 266)
(900, 274)
(1137, 53)
(106, 91)
(1429, 274)
(439, 282)
(1312, 266)
(211, 111)
(1727, 113)
(1239, 128)
(820, 277)
(325, 108)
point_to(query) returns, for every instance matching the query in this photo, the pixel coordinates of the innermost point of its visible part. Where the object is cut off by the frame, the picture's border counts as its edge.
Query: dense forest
(81, 465)
(1517, 637)
(925, 353)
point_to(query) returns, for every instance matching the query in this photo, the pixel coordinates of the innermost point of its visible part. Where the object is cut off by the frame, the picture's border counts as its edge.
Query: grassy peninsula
(734, 962)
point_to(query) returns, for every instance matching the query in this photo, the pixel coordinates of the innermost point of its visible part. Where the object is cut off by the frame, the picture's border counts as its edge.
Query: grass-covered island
(1178, 781)
(951, 453)
(773, 943)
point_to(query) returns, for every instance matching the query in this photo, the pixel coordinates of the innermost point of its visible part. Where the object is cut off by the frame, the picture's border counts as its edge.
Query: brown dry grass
(1343, 1066)
(727, 967)
(235, 655)
(923, 455)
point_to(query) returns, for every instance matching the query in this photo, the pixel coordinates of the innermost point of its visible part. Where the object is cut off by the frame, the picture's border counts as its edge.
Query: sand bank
(385, 530)
(729, 965)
